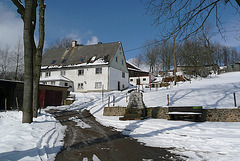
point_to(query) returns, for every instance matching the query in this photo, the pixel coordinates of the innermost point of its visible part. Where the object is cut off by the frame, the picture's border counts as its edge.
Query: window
(53, 62)
(93, 59)
(144, 79)
(98, 70)
(122, 62)
(63, 61)
(52, 83)
(131, 80)
(47, 74)
(81, 72)
(116, 59)
(63, 72)
(81, 60)
(80, 85)
(98, 85)
(123, 86)
(123, 74)
(40, 74)
(66, 84)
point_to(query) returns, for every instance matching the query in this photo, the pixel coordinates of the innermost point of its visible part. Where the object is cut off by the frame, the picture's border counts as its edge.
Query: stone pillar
(136, 109)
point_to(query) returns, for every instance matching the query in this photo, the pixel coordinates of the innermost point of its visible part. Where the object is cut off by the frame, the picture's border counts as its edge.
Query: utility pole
(175, 63)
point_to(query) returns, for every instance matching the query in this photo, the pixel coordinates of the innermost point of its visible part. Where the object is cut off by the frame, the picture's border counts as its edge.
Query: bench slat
(183, 113)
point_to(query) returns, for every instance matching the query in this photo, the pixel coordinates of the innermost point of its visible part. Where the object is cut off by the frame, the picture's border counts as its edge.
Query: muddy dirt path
(93, 141)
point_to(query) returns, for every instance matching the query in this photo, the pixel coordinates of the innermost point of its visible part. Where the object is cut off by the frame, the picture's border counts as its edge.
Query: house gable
(118, 61)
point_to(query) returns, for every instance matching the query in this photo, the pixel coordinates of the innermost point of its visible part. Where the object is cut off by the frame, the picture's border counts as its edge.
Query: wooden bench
(185, 113)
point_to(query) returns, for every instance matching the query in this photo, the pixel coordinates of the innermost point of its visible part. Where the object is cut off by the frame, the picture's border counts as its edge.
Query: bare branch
(185, 17)
(20, 6)
(238, 2)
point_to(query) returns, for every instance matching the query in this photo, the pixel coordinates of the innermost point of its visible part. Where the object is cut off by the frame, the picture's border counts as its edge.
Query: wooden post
(174, 61)
(17, 104)
(126, 97)
(102, 93)
(113, 100)
(168, 100)
(5, 104)
(108, 101)
(235, 102)
(150, 85)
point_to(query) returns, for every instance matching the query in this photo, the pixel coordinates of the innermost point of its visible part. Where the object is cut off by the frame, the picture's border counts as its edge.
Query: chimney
(74, 43)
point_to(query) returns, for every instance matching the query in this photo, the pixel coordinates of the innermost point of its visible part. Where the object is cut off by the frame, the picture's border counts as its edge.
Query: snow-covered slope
(198, 141)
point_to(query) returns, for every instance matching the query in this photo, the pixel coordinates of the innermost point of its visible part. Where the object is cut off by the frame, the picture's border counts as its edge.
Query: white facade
(118, 80)
(144, 80)
(91, 78)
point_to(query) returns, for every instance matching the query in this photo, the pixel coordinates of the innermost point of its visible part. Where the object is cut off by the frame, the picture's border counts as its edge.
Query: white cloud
(11, 27)
(94, 40)
(76, 37)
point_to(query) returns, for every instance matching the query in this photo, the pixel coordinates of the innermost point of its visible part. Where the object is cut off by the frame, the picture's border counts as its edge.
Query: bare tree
(11, 63)
(184, 18)
(28, 12)
(151, 55)
(18, 53)
(37, 59)
(60, 43)
(138, 60)
(166, 55)
(5, 62)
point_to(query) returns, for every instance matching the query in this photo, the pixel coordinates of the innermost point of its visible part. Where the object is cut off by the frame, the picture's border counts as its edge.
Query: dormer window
(93, 59)
(81, 60)
(53, 62)
(63, 61)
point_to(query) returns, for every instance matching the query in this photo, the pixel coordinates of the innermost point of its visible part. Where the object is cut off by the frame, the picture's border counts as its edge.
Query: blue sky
(91, 21)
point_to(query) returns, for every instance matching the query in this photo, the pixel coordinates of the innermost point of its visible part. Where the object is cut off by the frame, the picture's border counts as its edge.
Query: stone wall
(222, 115)
(114, 111)
(213, 115)
(157, 112)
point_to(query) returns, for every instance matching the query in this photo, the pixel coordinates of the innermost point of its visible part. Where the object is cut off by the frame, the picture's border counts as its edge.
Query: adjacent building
(138, 76)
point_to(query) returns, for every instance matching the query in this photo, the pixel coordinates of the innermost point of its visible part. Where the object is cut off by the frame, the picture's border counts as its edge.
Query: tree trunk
(28, 63)
(31, 55)
(38, 59)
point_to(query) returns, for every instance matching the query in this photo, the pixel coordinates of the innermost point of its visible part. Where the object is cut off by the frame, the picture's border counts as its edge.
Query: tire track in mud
(102, 142)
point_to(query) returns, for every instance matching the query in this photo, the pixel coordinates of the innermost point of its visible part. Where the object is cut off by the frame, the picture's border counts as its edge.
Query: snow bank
(40, 140)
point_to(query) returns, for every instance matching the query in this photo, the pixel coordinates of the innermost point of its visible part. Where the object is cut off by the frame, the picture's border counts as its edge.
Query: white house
(86, 68)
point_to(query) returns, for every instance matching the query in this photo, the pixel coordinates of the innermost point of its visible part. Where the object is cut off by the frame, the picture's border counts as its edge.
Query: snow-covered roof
(55, 78)
(134, 67)
(80, 55)
(99, 61)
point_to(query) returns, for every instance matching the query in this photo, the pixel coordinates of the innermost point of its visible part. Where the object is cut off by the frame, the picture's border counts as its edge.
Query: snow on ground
(41, 140)
(38, 141)
(196, 140)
